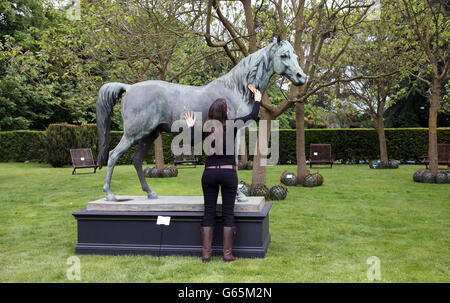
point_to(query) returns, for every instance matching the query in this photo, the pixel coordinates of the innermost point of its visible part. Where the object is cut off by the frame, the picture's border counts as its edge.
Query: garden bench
(180, 159)
(443, 155)
(82, 158)
(320, 154)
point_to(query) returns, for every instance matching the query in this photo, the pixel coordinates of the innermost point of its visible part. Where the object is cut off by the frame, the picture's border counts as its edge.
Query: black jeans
(228, 181)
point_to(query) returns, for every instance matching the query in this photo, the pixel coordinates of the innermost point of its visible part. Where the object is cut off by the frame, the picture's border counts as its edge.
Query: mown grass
(322, 234)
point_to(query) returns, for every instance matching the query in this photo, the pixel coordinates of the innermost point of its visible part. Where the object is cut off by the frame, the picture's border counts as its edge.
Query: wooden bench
(443, 155)
(320, 154)
(82, 158)
(181, 159)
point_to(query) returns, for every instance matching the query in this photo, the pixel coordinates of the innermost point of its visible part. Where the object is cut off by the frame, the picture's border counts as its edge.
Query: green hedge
(23, 145)
(362, 144)
(52, 146)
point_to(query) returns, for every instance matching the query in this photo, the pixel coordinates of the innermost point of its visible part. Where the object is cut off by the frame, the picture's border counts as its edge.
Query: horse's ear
(277, 39)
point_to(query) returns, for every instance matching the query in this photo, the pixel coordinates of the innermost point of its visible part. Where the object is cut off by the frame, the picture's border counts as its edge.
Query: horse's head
(285, 63)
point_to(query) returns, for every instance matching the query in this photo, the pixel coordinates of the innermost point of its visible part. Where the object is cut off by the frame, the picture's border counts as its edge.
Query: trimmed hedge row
(23, 145)
(62, 137)
(52, 146)
(362, 144)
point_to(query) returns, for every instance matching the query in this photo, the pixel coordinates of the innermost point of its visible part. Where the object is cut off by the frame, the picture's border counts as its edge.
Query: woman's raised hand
(190, 118)
(255, 92)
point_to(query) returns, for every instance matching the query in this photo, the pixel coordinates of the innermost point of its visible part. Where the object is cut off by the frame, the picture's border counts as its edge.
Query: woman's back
(221, 153)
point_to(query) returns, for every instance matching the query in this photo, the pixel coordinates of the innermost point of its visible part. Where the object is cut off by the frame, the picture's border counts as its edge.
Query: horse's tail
(108, 95)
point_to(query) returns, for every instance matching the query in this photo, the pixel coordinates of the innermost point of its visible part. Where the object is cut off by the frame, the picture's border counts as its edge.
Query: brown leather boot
(228, 238)
(207, 238)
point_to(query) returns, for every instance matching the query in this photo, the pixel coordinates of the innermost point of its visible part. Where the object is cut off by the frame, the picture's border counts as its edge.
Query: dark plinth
(128, 232)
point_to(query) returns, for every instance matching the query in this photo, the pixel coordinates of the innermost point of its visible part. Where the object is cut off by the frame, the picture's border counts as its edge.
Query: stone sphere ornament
(425, 176)
(278, 192)
(260, 190)
(441, 177)
(380, 165)
(174, 170)
(312, 180)
(166, 172)
(154, 173)
(288, 179)
(418, 175)
(373, 163)
(393, 164)
(319, 178)
(428, 177)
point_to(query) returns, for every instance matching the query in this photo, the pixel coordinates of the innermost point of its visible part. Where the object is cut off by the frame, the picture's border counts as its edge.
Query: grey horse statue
(150, 107)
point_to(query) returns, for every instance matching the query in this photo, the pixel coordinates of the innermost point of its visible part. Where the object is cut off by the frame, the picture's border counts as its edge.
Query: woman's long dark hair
(218, 111)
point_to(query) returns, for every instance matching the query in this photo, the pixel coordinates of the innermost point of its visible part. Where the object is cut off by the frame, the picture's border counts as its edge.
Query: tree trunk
(259, 171)
(243, 151)
(432, 125)
(300, 138)
(379, 126)
(159, 154)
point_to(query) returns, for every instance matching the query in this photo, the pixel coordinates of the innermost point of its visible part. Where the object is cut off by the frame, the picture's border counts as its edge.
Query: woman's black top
(225, 159)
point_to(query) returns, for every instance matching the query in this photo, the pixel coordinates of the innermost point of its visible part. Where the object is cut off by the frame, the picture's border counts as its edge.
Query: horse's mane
(253, 69)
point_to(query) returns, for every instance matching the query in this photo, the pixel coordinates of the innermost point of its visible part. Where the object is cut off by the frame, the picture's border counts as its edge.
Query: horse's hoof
(242, 198)
(111, 197)
(152, 195)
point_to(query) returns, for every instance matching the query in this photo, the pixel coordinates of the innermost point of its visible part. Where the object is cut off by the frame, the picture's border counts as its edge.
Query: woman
(220, 170)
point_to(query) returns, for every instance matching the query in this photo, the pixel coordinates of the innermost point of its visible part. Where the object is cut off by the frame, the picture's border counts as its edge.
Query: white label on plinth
(163, 220)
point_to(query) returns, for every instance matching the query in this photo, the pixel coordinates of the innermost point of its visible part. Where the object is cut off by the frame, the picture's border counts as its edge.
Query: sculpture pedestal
(129, 227)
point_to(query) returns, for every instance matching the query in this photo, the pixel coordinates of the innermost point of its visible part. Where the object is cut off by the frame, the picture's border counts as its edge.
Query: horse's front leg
(239, 195)
(138, 158)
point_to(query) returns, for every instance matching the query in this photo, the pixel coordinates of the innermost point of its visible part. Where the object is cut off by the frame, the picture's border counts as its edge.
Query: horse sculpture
(150, 107)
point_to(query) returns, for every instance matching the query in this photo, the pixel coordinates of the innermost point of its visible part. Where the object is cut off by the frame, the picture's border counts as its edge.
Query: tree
(412, 107)
(47, 78)
(375, 50)
(322, 32)
(26, 99)
(427, 23)
(16, 17)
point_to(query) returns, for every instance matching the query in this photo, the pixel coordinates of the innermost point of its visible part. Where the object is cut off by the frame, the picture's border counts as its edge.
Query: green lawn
(322, 234)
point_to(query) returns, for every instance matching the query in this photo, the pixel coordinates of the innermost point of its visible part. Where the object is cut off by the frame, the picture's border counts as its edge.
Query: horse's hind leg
(124, 144)
(138, 158)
